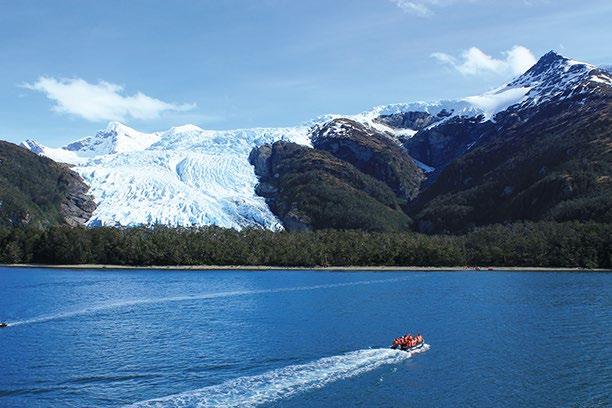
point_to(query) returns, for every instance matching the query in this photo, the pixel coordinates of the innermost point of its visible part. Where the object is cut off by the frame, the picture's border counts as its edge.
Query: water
(304, 339)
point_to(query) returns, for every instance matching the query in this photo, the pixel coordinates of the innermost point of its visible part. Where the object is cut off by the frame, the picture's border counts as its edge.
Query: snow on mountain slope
(58, 154)
(553, 77)
(116, 138)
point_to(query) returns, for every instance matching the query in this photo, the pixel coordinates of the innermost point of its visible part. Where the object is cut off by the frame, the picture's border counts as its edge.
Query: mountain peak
(550, 61)
(555, 70)
(117, 127)
(551, 56)
(185, 129)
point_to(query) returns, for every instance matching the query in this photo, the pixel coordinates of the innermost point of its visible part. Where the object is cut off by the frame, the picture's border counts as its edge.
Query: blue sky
(68, 67)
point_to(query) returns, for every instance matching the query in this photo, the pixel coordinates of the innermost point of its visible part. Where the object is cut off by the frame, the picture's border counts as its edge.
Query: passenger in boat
(408, 341)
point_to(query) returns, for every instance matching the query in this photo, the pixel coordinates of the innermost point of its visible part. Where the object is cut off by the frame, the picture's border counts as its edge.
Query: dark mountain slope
(371, 152)
(311, 189)
(37, 191)
(440, 145)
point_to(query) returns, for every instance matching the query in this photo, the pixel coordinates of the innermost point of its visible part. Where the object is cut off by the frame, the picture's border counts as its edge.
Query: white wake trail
(284, 382)
(134, 302)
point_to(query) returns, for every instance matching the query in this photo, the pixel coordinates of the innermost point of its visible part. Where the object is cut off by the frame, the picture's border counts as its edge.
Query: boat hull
(418, 346)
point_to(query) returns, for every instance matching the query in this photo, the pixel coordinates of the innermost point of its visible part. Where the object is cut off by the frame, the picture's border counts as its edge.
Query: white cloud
(475, 62)
(102, 101)
(424, 8)
(417, 7)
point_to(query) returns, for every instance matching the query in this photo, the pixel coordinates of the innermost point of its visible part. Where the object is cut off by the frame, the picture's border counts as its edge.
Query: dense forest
(542, 244)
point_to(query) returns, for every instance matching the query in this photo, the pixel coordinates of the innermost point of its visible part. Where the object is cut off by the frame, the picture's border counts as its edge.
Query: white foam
(202, 296)
(284, 382)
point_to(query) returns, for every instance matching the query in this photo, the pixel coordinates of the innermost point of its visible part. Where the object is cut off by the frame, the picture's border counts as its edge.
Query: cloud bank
(515, 61)
(103, 101)
(425, 8)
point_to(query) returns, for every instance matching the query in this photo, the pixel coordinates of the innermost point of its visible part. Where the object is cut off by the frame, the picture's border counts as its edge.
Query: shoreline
(312, 268)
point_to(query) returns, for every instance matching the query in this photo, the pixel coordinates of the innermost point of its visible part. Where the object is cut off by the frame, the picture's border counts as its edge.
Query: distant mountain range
(539, 147)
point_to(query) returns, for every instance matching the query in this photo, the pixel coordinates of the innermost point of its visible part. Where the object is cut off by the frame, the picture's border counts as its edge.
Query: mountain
(37, 191)
(548, 157)
(552, 79)
(535, 148)
(371, 152)
(312, 189)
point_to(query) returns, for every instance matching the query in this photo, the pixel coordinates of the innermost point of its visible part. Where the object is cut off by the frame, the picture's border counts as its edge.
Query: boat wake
(284, 382)
(202, 296)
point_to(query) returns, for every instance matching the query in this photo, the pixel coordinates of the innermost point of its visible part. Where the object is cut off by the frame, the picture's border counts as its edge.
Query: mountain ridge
(191, 176)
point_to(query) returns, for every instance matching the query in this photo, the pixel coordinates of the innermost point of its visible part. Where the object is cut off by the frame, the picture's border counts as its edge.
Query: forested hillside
(37, 191)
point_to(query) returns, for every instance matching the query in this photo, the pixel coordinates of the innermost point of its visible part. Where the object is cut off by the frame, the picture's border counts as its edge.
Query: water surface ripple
(303, 339)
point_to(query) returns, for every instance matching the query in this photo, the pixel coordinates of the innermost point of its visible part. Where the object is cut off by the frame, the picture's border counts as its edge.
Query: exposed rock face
(311, 189)
(444, 143)
(260, 159)
(38, 191)
(371, 152)
(411, 120)
(76, 206)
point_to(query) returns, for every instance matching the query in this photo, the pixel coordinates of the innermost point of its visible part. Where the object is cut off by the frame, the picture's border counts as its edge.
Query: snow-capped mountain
(555, 77)
(191, 176)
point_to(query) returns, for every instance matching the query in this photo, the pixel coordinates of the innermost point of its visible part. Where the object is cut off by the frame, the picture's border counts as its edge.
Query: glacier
(185, 176)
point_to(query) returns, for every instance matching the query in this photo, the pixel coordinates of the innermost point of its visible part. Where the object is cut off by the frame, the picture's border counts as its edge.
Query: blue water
(304, 339)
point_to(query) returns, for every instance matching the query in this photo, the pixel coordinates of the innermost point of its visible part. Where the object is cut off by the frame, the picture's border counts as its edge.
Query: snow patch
(423, 166)
(493, 102)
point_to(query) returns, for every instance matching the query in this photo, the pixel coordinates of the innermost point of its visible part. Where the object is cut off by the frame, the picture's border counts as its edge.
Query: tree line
(540, 244)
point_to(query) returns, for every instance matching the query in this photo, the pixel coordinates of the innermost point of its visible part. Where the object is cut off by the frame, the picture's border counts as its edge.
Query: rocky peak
(554, 78)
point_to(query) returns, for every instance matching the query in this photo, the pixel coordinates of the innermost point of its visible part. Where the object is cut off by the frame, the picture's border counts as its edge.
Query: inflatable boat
(408, 342)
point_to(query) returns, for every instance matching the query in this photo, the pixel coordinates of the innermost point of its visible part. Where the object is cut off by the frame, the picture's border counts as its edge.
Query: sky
(67, 68)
